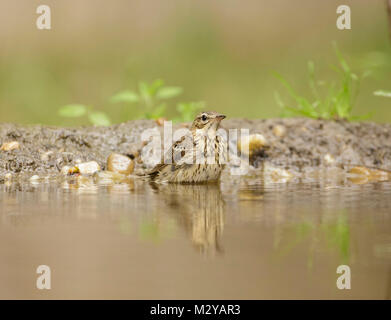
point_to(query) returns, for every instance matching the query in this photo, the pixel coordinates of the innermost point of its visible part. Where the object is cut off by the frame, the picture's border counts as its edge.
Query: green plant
(336, 103)
(150, 97)
(97, 118)
(188, 110)
(382, 93)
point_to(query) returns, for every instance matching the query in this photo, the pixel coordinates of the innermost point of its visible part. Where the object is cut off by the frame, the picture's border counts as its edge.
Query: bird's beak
(220, 117)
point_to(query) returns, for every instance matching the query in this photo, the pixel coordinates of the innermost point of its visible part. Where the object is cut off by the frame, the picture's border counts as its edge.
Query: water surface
(242, 239)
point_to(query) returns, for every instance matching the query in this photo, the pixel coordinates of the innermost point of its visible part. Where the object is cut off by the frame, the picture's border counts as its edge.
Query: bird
(198, 157)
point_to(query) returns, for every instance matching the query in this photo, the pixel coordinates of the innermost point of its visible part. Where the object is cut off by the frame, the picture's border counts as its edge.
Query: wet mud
(291, 143)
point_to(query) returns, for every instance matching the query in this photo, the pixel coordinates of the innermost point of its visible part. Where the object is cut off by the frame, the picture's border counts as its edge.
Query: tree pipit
(197, 157)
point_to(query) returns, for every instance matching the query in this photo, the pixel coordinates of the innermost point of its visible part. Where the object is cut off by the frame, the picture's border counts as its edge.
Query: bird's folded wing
(178, 151)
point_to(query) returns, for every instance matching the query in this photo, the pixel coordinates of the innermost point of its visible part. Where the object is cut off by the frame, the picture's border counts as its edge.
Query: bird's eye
(203, 117)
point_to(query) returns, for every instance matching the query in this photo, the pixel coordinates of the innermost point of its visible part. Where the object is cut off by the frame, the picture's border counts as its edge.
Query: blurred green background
(222, 52)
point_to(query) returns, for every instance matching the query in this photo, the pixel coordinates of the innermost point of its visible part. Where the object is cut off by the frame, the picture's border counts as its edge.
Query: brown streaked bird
(197, 157)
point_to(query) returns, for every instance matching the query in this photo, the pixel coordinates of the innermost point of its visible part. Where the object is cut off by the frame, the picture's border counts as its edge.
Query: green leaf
(278, 100)
(145, 93)
(286, 85)
(158, 111)
(72, 110)
(341, 59)
(188, 110)
(99, 118)
(311, 68)
(354, 77)
(382, 93)
(168, 92)
(125, 96)
(339, 100)
(154, 87)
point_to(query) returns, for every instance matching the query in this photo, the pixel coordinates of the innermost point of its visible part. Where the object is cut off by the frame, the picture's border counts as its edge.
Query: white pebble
(65, 170)
(9, 146)
(88, 167)
(279, 130)
(329, 159)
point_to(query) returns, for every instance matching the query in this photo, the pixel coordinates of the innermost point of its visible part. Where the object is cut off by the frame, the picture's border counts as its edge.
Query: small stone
(358, 179)
(363, 171)
(34, 180)
(87, 168)
(73, 170)
(276, 174)
(65, 170)
(363, 175)
(108, 177)
(9, 146)
(84, 181)
(329, 159)
(46, 155)
(251, 144)
(281, 175)
(119, 163)
(160, 121)
(279, 130)
(380, 175)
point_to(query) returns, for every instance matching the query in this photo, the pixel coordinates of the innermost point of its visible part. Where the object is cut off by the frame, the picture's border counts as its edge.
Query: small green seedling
(338, 101)
(97, 118)
(150, 97)
(188, 110)
(382, 93)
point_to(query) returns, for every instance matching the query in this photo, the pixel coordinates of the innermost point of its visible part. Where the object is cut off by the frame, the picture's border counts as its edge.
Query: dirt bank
(292, 143)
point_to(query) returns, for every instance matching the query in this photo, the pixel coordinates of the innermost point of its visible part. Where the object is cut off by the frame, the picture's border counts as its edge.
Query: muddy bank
(295, 143)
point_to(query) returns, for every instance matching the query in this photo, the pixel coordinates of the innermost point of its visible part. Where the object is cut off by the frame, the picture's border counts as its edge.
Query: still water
(245, 238)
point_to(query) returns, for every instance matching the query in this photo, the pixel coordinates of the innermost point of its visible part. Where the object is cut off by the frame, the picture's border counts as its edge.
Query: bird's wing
(179, 147)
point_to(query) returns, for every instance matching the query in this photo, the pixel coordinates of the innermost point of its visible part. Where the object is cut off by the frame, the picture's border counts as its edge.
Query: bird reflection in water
(199, 209)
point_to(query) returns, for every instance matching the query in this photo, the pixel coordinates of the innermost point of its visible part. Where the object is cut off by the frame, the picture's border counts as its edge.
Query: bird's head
(207, 120)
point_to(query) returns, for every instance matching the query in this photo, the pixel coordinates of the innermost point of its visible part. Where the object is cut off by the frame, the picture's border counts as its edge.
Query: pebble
(252, 144)
(65, 170)
(279, 130)
(281, 175)
(9, 146)
(363, 175)
(276, 174)
(160, 121)
(73, 170)
(120, 163)
(329, 159)
(108, 177)
(34, 180)
(46, 155)
(87, 168)
(360, 171)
